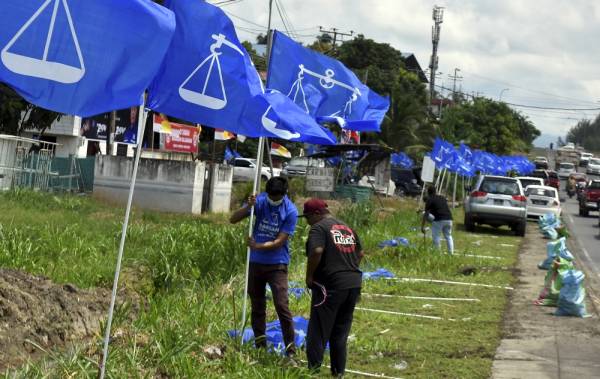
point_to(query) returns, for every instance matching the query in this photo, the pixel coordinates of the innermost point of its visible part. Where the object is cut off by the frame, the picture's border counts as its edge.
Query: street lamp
(501, 92)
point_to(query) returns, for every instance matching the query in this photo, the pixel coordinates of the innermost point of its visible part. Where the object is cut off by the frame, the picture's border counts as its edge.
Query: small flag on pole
(161, 124)
(223, 135)
(280, 151)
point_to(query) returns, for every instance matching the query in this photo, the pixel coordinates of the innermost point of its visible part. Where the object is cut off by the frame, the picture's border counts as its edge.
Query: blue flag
(322, 86)
(82, 57)
(273, 114)
(207, 76)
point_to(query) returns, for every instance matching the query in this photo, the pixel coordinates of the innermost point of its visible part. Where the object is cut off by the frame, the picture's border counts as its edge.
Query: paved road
(585, 231)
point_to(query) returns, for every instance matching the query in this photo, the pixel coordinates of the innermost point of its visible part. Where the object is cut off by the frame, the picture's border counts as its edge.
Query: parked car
(553, 180)
(590, 197)
(497, 201)
(565, 169)
(244, 168)
(297, 166)
(406, 182)
(593, 166)
(542, 200)
(541, 162)
(527, 181)
(584, 159)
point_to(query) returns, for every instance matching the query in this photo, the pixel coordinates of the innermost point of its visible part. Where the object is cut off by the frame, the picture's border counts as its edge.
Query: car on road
(590, 197)
(527, 181)
(593, 166)
(542, 200)
(496, 201)
(565, 169)
(297, 166)
(541, 162)
(584, 159)
(406, 181)
(553, 180)
(244, 168)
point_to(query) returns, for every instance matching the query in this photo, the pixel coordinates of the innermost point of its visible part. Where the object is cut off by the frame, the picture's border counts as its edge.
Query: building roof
(412, 64)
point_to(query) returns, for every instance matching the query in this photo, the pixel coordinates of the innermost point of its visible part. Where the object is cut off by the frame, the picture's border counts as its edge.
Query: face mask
(274, 203)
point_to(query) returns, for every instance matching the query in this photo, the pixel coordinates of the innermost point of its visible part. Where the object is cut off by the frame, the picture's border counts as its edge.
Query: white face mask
(274, 203)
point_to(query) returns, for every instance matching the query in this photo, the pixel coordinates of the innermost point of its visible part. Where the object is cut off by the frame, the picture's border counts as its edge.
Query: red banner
(183, 138)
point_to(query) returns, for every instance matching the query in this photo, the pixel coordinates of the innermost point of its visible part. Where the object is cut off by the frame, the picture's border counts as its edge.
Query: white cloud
(546, 53)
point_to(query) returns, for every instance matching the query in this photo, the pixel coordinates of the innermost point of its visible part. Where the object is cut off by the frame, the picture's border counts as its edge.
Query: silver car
(565, 169)
(497, 201)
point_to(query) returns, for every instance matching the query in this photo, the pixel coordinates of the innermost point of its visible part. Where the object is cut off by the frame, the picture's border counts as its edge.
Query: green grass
(189, 270)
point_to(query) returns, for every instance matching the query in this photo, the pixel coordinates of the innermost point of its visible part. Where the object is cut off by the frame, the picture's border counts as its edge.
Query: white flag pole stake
(257, 177)
(141, 127)
(259, 157)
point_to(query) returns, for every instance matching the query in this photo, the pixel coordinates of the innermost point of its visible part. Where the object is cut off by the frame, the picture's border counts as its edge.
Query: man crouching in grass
(334, 254)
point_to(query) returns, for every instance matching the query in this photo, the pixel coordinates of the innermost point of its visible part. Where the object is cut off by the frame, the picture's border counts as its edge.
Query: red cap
(314, 206)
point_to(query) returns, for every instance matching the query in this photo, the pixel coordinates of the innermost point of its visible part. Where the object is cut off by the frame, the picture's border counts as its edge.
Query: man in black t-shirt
(438, 212)
(334, 254)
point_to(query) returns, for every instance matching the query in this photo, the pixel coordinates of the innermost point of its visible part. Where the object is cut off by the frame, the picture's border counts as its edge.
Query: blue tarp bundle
(378, 274)
(396, 241)
(571, 300)
(293, 289)
(550, 232)
(274, 336)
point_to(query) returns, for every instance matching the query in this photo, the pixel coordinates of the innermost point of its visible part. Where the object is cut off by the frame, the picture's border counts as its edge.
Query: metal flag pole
(141, 127)
(257, 177)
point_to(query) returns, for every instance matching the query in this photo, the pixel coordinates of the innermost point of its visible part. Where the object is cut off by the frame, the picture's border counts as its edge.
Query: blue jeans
(443, 226)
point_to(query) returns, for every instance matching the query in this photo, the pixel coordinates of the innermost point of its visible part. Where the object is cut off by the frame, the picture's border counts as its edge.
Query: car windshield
(595, 161)
(567, 166)
(539, 174)
(529, 182)
(540, 159)
(594, 185)
(299, 162)
(553, 175)
(541, 192)
(500, 186)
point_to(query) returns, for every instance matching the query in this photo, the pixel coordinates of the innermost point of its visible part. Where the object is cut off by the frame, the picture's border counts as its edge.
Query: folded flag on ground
(394, 242)
(274, 335)
(378, 274)
(553, 282)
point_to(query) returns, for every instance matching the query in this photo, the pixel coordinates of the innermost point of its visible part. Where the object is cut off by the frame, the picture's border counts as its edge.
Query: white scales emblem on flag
(44, 68)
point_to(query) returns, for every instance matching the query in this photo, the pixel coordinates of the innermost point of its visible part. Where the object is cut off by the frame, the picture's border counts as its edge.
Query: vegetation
(586, 133)
(190, 270)
(17, 114)
(488, 125)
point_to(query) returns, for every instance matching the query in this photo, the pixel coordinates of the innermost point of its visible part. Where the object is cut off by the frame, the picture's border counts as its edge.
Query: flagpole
(141, 120)
(268, 149)
(257, 177)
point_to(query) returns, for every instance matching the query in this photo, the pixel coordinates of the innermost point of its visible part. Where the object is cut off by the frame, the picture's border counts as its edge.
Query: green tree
(586, 133)
(488, 125)
(18, 115)
(260, 62)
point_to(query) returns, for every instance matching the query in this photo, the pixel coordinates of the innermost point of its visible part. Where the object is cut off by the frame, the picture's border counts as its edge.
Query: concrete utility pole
(438, 16)
(454, 79)
(335, 33)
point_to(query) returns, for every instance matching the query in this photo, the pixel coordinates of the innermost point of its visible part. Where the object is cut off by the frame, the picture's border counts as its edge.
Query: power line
(527, 89)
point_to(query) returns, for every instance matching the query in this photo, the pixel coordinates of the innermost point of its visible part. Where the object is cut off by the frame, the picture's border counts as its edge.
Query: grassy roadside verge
(189, 269)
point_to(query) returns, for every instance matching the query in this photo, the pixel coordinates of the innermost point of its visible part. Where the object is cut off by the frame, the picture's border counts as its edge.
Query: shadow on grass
(479, 229)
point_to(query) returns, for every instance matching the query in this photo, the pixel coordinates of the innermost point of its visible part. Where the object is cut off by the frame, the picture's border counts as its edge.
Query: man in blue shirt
(276, 218)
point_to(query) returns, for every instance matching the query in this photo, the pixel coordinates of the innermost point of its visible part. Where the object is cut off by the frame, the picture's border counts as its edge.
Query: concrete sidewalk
(536, 344)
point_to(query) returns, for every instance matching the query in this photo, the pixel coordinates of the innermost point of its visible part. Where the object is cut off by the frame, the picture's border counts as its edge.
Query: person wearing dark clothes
(334, 253)
(276, 218)
(438, 212)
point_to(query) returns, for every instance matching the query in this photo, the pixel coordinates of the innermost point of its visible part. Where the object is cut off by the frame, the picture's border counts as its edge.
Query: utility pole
(454, 78)
(335, 33)
(438, 16)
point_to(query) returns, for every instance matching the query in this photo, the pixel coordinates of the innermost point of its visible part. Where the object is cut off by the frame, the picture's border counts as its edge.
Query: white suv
(593, 166)
(497, 201)
(244, 168)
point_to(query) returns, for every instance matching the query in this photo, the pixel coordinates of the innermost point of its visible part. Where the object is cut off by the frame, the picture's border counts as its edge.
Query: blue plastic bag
(571, 300)
(394, 242)
(274, 335)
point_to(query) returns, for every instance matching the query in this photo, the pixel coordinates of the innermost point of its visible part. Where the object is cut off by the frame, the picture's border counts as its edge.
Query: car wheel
(469, 223)
(400, 191)
(264, 178)
(521, 228)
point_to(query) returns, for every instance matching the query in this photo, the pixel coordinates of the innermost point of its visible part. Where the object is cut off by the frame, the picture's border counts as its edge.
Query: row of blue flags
(467, 162)
(85, 58)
